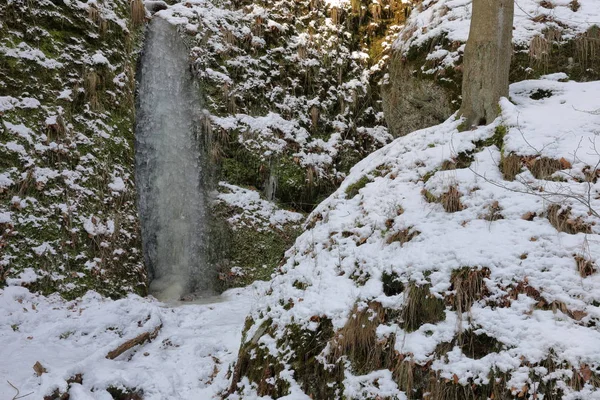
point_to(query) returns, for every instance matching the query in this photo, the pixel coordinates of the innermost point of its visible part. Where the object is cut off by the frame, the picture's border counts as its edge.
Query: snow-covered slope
(450, 263)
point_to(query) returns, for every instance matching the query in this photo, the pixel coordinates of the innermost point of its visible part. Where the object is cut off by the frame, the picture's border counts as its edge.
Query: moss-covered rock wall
(68, 218)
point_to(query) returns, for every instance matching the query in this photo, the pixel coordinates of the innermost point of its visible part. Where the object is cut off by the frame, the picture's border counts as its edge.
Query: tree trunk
(487, 60)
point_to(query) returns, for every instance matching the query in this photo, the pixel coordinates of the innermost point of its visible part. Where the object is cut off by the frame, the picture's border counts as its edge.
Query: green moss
(392, 285)
(497, 139)
(429, 175)
(251, 252)
(354, 188)
(429, 197)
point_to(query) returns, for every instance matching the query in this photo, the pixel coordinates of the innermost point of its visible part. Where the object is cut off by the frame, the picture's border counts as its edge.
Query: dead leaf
(528, 216)
(39, 369)
(564, 163)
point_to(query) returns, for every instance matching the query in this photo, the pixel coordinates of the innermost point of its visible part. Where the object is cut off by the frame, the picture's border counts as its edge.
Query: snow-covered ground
(189, 359)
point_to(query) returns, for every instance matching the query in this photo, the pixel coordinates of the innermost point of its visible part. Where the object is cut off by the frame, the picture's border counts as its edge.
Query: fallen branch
(144, 337)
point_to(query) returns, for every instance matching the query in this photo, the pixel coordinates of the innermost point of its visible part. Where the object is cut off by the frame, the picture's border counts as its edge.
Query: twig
(17, 395)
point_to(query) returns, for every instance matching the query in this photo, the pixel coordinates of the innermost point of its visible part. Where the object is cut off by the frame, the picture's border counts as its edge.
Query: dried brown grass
(138, 12)
(588, 46)
(562, 219)
(543, 167)
(403, 236)
(539, 50)
(358, 340)
(510, 166)
(451, 200)
(469, 286)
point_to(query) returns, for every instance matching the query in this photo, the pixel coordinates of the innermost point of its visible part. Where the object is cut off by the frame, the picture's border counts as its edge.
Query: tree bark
(487, 60)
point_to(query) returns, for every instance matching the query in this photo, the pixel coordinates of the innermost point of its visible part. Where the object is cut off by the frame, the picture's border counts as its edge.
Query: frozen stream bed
(189, 359)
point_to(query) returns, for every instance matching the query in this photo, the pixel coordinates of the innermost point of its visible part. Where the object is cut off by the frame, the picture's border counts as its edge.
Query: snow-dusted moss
(257, 234)
(67, 196)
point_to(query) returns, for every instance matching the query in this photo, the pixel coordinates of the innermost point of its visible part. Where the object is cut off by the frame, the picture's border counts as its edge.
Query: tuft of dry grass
(574, 5)
(91, 82)
(547, 4)
(588, 46)
(138, 12)
(375, 9)
(510, 166)
(358, 340)
(420, 307)
(302, 52)
(451, 200)
(336, 15)
(469, 286)
(553, 34)
(585, 266)
(229, 37)
(403, 236)
(563, 221)
(56, 129)
(539, 50)
(314, 116)
(494, 212)
(543, 167)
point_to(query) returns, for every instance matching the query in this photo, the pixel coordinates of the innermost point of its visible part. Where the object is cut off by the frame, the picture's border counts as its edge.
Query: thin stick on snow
(17, 395)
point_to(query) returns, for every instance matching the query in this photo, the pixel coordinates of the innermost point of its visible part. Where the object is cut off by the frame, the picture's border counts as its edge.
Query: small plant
(585, 266)
(403, 236)
(66, 335)
(574, 5)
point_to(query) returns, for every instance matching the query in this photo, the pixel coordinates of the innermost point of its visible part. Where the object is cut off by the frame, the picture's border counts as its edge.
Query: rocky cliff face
(68, 219)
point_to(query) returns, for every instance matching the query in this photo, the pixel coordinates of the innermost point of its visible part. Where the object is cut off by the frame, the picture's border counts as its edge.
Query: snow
(452, 18)
(28, 275)
(8, 103)
(377, 384)
(189, 359)
(5, 217)
(549, 121)
(348, 237)
(117, 185)
(254, 211)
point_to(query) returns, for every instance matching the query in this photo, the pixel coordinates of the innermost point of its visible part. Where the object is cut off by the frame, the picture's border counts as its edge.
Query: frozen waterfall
(169, 170)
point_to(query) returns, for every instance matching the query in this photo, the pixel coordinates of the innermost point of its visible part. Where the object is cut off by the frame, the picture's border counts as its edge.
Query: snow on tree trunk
(487, 60)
